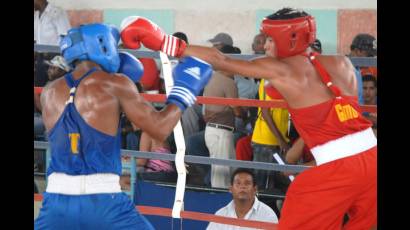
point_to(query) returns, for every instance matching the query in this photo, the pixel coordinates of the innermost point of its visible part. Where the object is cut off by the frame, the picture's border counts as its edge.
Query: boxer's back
(82, 119)
(94, 101)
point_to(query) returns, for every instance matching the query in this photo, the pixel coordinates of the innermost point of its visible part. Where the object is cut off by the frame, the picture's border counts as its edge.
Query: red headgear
(291, 36)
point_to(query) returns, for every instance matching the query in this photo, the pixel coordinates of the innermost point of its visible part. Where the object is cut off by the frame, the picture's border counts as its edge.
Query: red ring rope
(230, 101)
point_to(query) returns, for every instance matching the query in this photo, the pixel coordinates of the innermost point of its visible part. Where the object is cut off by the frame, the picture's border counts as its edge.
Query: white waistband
(345, 146)
(83, 184)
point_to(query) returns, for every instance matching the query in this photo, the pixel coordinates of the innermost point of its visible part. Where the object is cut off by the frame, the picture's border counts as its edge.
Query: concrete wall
(337, 21)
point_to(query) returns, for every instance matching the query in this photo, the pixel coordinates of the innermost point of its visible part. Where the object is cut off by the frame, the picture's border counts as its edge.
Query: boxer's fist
(190, 77)
(136, 30)
(130, 66)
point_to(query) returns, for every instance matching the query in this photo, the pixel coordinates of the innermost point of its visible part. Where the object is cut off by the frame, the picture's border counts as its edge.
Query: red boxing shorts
(320, 197)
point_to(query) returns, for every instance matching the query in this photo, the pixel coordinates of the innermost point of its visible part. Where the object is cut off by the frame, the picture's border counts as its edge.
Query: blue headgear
(95, 42)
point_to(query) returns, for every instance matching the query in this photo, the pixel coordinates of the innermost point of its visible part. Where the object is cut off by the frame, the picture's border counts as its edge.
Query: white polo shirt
(259, 212)
(52, 23)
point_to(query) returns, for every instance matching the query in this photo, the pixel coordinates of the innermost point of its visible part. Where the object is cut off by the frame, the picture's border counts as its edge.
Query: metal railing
(356, 61)
(132, 166)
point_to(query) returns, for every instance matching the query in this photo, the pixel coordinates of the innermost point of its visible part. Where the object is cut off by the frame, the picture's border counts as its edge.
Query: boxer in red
(321, 92)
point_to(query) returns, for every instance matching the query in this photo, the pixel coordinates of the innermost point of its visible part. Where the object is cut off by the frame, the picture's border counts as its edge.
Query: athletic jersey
(329, 120)
(76, 147)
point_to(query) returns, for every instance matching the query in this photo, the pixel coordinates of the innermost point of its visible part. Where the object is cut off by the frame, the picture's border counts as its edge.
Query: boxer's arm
(265, 67)
(295, 152)
(135, 30)
(157, 124)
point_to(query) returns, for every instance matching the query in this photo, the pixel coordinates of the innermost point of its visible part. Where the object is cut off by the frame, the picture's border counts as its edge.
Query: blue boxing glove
(130, 66)
(190, 77)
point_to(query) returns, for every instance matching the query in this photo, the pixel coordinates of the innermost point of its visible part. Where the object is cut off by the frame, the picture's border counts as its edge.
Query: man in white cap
(57, 68)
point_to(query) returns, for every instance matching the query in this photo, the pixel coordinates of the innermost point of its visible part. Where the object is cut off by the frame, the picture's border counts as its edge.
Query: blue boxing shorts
(106, 211)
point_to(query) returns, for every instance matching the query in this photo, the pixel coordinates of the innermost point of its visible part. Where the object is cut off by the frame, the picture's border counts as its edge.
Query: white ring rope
(179, 142)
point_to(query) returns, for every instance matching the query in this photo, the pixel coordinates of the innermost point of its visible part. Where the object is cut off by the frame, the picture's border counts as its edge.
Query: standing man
(81, 113)
(220, 123)
(49, 23)
(321, 92)
(269, 138)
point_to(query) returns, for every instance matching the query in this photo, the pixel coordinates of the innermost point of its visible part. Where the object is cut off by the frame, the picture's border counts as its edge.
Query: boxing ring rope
(161, 98)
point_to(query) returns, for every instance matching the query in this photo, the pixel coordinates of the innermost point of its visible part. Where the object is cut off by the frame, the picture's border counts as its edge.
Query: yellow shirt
(261, 132)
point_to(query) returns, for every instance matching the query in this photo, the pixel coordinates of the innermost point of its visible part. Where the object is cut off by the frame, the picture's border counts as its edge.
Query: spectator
(152, 169)
(57, 68)
(220, 40)
(268, 138)
(244, 148)
(364, 45)
(245, 204)
(199, 174)
(258, 44)
(316, 46)
(247, 89)
(369, 90)
(220, 123)
(243, 145)
(370, 98)
(49, 23)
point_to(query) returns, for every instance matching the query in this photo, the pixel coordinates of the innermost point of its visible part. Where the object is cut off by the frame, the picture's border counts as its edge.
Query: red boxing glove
(136, 30)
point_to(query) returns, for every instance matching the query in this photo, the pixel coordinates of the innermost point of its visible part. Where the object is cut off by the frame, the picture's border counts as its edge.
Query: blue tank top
(76, 147)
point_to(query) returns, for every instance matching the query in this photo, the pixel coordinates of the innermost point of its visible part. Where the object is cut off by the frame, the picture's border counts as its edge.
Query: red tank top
(329, 120)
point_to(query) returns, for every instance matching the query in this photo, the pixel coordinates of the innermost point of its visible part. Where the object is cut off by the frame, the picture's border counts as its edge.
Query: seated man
(245, 204)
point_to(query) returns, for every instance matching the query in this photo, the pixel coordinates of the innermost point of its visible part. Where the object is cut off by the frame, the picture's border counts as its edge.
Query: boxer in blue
(81, 113)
